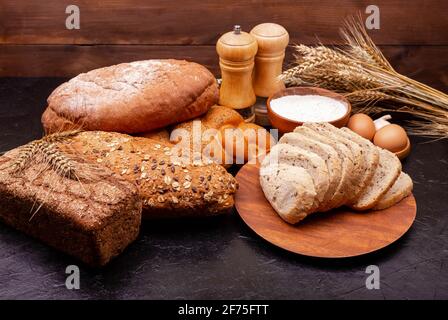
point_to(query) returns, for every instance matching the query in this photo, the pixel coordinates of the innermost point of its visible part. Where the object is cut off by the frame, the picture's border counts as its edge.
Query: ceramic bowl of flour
(291, 107)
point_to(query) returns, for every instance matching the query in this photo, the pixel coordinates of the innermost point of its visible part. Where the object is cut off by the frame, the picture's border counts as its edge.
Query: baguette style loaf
(132, 97)
(169, 188)
(92, 215)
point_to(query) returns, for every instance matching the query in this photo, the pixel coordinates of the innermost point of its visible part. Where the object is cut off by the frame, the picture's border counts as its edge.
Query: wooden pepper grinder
(272, 41)
(236, 50)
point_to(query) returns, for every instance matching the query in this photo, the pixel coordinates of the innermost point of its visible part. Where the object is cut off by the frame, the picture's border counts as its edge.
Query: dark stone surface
(221, 257)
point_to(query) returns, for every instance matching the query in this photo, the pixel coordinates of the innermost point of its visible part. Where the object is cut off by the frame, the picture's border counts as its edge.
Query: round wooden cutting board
(339, 233)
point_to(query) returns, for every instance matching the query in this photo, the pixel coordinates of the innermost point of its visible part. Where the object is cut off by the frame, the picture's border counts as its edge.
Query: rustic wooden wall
(35, 42)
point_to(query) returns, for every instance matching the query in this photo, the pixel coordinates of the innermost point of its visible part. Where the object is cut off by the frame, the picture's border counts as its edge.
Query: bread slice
(297, 157)
(327, 153)
(400, 190)
(360, 166)
(289, 190)
(387, 172)
(345, 186)
(371, 154)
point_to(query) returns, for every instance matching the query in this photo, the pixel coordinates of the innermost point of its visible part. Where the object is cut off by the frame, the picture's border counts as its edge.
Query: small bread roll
(218, 116)
(224, 128)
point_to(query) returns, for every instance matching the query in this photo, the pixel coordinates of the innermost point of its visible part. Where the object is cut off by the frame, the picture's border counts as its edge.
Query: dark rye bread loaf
(82, 209)
(169, 187)
(132, 97)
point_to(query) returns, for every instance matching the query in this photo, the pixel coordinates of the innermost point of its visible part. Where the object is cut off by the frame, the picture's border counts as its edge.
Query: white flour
(308, 108)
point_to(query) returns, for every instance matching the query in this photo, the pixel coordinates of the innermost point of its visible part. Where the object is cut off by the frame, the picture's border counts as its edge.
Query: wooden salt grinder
(272, 41)
(236, 50)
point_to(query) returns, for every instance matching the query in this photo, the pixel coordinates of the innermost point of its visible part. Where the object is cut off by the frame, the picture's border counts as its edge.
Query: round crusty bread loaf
(132, 97)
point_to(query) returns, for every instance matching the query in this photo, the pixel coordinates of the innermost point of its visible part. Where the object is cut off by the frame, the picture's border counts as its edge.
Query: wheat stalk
(26, 154)
(361, 46)
(60, 136)
(58, 161)
(47, 151)
(362, 73)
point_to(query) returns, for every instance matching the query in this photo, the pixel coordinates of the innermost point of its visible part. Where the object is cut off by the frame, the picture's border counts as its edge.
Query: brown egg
(363, 125)
(391, 137)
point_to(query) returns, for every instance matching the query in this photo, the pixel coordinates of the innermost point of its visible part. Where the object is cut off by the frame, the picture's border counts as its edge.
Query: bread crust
(93, 220)
(387, 172)
(168, 188)
(132, 97)
(400, 190)
(226, 123)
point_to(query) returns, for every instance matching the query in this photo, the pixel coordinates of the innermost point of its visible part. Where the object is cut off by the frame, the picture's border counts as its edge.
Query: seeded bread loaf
(290, 190)
(400, 190)
(328, 154)
(132, 97)
(82, 209)
(170, 185)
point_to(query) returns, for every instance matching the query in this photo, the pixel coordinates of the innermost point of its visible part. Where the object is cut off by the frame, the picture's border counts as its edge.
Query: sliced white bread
(371, 154)
(327, 153)
(345, 186)
(289, 190)
(357, 175)
(387, 172)
(400, 190)
(287, 154)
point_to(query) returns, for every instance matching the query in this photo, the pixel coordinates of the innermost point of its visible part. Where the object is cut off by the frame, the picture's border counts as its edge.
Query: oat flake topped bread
(132, 97)
(169, 188)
